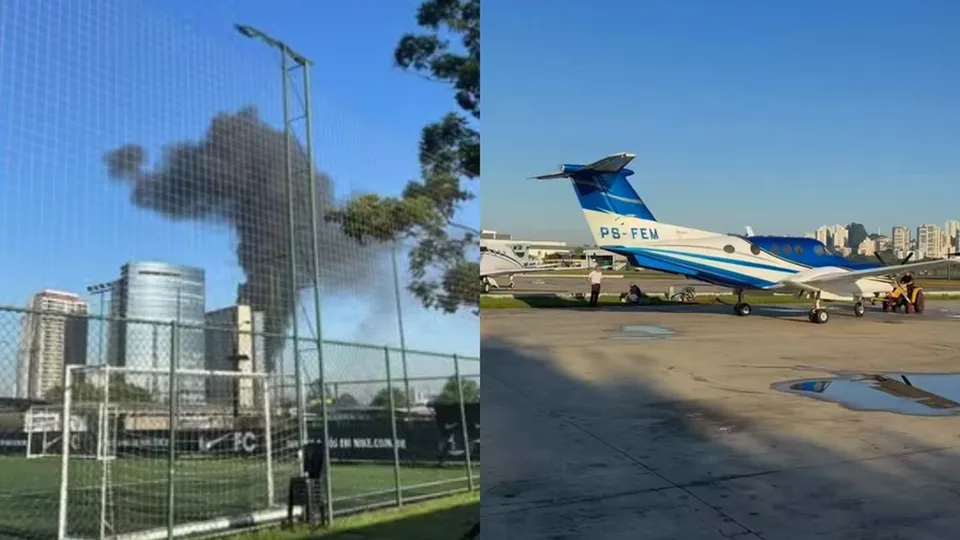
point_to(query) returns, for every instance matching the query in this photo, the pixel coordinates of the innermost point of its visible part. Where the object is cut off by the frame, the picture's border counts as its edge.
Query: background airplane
(507, 258)
(620, 222)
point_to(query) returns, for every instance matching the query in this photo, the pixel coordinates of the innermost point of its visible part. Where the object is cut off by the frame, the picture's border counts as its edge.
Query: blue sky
(779, 115)
(79, 77)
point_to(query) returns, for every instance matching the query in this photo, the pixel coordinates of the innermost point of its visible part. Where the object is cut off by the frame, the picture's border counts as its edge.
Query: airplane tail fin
(603, 187)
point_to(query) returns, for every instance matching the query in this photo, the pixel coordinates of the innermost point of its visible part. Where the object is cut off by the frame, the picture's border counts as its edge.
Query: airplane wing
(839, 277)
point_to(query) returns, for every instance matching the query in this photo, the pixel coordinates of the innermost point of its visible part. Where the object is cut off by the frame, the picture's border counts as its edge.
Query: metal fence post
(172, 428)
(65, 417)
(104, 463)
(463, 422)
(398, 491)
(403, 339)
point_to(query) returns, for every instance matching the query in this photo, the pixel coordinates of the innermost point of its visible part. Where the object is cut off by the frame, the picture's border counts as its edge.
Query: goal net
(93, 431)
(203, 440)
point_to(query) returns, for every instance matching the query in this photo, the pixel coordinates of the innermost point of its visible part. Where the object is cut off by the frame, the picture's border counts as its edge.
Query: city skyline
(109, 338)
(931, 240)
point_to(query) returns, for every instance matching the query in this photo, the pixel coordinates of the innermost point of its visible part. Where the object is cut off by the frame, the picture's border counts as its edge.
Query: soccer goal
(189, 453)
(93, 431)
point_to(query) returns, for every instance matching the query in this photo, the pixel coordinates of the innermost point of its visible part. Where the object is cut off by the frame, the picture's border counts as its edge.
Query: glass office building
(152, 297)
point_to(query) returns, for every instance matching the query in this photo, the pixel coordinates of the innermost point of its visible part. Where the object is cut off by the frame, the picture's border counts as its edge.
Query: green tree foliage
(446, 51)
(346, 399)
(471, 391)
(85, 392)
(382, 398)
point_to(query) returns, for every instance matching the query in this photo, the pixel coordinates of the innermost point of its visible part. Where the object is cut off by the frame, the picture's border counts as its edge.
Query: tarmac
(661, 423)
(546, 283)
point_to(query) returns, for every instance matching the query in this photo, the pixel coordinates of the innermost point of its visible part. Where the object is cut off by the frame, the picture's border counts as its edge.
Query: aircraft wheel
(919, 304)
(742, 309)
(858, 309)
(819, 316)
(511, 285)
(486, 287)
(812, 315)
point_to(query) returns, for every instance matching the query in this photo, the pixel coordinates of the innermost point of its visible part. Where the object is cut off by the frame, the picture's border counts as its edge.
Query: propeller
(883, 262)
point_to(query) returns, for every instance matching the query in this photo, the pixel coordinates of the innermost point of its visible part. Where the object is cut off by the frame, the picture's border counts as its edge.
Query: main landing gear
(818, 315)
(741, 308)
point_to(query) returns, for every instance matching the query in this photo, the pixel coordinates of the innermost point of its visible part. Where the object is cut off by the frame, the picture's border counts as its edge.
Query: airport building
(53, 334)
(155, 295)
(604, 258)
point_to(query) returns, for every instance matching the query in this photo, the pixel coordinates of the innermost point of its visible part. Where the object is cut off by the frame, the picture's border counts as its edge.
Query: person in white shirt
(595, 278)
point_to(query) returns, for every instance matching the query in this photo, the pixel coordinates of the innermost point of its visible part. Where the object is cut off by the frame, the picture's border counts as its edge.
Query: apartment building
(52, 334)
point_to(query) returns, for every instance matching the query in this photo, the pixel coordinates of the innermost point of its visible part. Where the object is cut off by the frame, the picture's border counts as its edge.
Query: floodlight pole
(100, 289)
(301, 62)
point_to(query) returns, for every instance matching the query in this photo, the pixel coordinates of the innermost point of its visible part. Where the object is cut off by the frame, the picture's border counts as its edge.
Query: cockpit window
(755, 249)
(798, 248)
(483, 248)
(728, 248)
(818, 249)
(786, 249)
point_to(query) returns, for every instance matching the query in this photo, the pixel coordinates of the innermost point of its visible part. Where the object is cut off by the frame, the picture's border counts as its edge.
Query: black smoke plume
(237, 175)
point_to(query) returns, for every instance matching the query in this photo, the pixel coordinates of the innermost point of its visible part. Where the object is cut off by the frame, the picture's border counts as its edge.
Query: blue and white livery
(621, 223)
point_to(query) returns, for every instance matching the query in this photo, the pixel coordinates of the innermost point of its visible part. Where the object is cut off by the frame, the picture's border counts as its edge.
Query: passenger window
(798, 248)
(755, 249)
(775, 248)
(728, 248)
(786, 249)
(818, 249)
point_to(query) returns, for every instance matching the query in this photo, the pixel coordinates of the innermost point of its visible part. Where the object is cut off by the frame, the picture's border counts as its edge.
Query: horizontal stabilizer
(608, 165)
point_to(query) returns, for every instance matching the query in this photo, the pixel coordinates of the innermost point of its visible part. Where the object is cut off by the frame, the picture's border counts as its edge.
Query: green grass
(204, 489)
(550, 301)
(445, 518)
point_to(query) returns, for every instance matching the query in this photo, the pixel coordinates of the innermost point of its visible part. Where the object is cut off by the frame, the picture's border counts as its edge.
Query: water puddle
(918, 394)
(639, 332)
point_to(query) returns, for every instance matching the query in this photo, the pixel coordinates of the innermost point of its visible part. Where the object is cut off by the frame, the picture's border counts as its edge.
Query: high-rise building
(53, 334)
(952, 228)
(151, 301)
(929, 242)
(900, 241)
(823, 236)
(867, 247)
(839, 235)
(235, 342)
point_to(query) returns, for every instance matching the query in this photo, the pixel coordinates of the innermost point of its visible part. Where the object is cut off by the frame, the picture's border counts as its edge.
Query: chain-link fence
(158, 445)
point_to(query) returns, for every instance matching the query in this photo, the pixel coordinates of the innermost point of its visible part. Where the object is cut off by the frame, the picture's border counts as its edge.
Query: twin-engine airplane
(506, 258)
(621, 222)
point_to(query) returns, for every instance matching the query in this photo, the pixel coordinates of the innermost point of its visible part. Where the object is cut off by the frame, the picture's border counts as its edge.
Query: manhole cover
(640, 332)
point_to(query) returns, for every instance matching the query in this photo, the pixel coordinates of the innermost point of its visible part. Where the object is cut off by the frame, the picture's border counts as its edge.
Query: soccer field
(204, 489)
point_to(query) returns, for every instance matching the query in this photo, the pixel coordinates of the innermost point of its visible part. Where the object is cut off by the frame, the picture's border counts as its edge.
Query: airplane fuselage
(622, 223)
(737, 262)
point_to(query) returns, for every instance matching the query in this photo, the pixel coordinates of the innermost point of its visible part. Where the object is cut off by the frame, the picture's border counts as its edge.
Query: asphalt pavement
(546, 283)
(662, 423)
